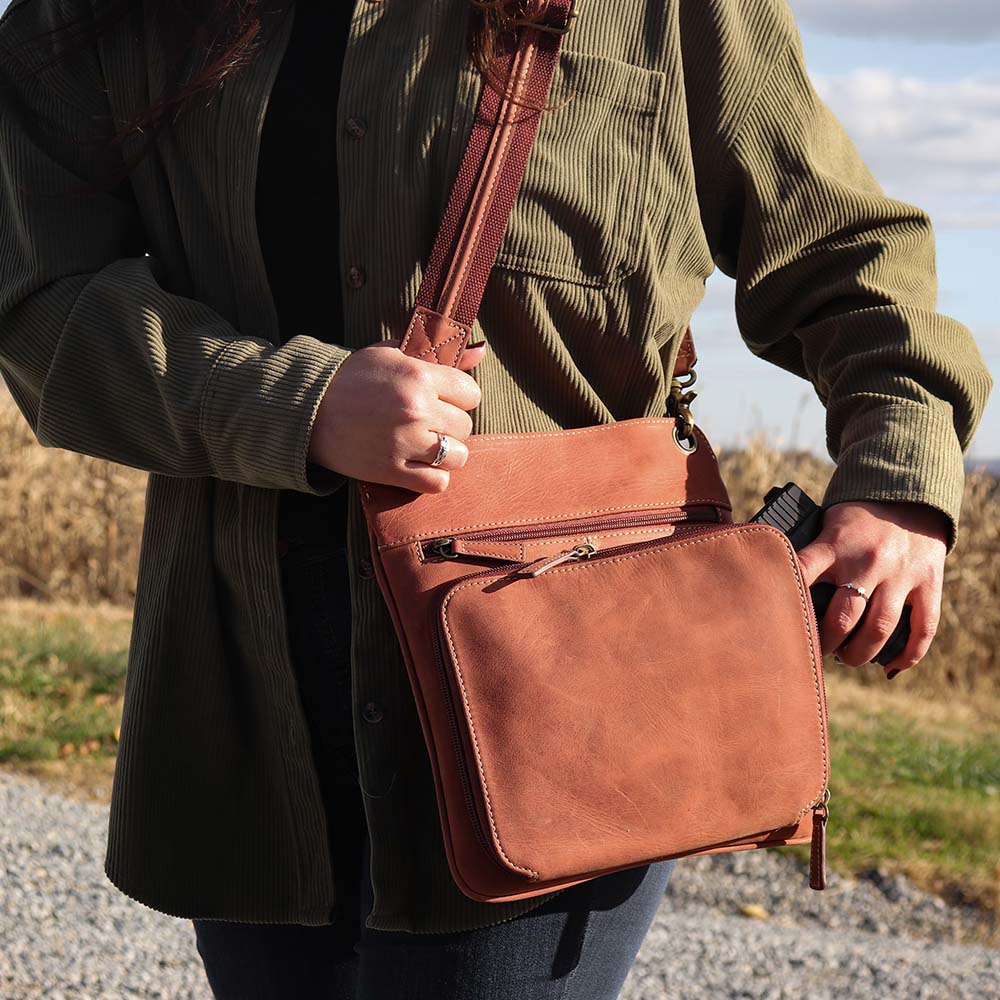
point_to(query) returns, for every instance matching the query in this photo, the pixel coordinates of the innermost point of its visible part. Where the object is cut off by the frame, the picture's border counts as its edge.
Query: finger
(878, 622)
(845, 611)
(925, 610)
(457, 456)
(421, 477)
(816, 558)
(448, 420)
(456, 387)
(471, 357)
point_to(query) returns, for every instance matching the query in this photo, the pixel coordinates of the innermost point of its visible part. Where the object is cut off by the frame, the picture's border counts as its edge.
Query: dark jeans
(577, 946)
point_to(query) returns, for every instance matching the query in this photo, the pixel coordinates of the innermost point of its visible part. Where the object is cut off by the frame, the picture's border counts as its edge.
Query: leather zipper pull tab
(539, 566)
(817, 851)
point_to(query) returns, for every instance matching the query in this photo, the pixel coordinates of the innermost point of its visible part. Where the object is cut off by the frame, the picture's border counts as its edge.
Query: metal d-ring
(686, 444)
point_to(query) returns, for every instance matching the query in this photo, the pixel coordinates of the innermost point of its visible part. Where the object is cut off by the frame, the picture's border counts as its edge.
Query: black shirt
(296, 203)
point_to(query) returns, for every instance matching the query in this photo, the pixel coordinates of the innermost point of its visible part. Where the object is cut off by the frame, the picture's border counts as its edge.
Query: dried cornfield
(70, 527)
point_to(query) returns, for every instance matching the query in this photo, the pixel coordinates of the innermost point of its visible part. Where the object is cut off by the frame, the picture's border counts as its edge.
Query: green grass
(915, 782)
(61, 680)
(914, 799)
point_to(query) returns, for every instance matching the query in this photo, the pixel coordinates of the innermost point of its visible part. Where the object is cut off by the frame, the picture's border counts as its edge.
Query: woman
(214, 312)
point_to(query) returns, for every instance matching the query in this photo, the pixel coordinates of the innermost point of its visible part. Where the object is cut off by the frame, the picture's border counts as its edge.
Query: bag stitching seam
(740, 529)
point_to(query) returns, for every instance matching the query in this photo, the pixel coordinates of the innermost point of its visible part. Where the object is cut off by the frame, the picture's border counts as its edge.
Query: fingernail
(892, 673)
(478, 343)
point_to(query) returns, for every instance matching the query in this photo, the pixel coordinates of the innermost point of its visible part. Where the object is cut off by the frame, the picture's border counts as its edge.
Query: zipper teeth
(596, 524)
(649, 542)
(511, 568)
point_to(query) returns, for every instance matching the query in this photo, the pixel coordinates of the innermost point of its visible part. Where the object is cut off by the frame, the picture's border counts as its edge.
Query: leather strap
(482, 197)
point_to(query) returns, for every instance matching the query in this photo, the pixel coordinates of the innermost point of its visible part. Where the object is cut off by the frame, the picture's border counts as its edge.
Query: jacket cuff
(901, 452)
(258, 410)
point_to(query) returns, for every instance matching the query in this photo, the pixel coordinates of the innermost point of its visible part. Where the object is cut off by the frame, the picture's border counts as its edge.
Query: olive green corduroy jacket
(138, 327)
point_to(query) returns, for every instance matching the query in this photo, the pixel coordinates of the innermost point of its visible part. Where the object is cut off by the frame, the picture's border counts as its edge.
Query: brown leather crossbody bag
(608, 671)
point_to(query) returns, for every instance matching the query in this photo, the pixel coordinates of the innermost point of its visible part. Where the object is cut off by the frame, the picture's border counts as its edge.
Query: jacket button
(365, 569)
(356, 126)
(355, 276)
(371, 713)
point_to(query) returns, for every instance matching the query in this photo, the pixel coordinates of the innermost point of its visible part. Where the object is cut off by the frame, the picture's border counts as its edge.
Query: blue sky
(916, 84)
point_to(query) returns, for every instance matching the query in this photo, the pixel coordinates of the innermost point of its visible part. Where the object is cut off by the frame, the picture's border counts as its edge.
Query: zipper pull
(443, 547)
(817, 851)
(539, 566)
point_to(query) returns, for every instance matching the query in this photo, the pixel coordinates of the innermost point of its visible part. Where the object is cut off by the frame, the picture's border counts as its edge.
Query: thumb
(471, 356)
(394, 342)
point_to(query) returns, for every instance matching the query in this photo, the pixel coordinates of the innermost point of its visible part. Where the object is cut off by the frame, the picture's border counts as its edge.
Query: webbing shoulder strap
(482, 197)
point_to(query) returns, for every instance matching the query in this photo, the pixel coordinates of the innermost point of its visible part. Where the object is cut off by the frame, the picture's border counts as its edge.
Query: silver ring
(857, 589)
(443, 445)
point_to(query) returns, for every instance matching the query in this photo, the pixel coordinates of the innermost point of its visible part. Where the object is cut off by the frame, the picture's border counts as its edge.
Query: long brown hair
(228, 35)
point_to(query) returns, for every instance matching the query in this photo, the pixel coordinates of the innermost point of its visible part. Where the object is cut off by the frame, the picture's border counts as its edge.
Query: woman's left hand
(895, 551)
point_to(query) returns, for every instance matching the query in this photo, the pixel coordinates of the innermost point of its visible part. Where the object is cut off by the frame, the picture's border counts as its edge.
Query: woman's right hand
(380, 417)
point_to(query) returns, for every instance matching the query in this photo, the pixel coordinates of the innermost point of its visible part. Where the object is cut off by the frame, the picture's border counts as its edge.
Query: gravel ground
(67, 934)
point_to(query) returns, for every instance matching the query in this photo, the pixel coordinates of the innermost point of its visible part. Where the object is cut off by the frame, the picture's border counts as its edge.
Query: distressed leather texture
(664, 702)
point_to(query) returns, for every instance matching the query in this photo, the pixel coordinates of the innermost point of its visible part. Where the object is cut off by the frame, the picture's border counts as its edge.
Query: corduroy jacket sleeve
(836, 281)
(98, 356)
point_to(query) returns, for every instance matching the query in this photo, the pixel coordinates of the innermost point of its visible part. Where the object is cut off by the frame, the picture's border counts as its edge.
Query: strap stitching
(500, 173)
(419, 314)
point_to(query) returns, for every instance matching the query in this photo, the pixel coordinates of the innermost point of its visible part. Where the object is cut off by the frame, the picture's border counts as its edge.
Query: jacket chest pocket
(579, 211)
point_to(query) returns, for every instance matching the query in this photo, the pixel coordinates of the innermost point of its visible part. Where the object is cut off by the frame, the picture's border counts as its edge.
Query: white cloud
(917, 20)
(935, 143)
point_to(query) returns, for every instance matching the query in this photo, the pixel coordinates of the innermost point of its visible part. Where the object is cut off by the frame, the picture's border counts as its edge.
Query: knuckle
(822, 549)
(420, 377)
(401, 393)
(843, 620)
(470, 387)
(412, 410)
(882, 625)
(870, 558)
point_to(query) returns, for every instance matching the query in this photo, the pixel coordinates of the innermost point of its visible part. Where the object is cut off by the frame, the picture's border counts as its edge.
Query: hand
(895, 551)
(380, 417)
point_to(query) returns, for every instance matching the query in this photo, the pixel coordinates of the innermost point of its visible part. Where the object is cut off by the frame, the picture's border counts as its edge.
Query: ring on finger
(857, 588)
(444, 444)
